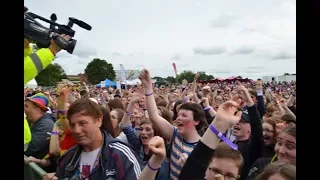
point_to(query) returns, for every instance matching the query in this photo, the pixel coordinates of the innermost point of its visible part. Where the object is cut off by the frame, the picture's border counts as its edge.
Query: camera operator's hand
(56, 48)
(50, 176)
(26, 44)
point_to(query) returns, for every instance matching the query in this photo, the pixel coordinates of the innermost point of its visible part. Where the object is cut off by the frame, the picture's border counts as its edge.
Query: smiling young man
(248, 132)
(184, 137)
(95, 157)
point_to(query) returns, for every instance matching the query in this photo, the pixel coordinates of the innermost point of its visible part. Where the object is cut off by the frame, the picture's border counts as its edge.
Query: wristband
(207, 108)
(54, 133)
(149, 94)
(153, 169)
(221, 136)
(127, 113)
(137, 129)
(62, 112)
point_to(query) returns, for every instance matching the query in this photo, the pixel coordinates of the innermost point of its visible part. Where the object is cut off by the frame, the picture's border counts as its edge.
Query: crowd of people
(188, 131)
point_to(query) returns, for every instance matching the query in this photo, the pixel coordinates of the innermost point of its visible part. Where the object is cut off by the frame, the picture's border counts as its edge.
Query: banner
(123, 74)
(175, 69)
(133, 74)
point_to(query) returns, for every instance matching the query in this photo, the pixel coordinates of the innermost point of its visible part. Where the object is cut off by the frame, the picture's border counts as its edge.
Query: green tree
(158, 78)
(285, 74)
(188, 75)
(98, 70)
(52, 74)
(209, 77)
(171, 79)
(240, 77)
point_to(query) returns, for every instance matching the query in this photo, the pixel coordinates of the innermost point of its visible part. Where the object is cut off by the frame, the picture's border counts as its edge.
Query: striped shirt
(179, 146)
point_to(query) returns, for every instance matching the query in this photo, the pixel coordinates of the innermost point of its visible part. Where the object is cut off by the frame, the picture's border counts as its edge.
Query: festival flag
(133, 74)
(123, 74)
(175, 69)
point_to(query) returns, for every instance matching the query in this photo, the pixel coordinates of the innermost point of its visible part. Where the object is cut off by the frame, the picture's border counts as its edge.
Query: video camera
(37, 33)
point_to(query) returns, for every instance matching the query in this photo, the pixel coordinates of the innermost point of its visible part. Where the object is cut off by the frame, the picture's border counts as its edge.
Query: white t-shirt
(230, 136)
(122, 137)
(87, 160)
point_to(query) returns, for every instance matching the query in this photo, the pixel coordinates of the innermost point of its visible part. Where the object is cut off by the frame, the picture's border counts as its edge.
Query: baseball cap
(245, 117)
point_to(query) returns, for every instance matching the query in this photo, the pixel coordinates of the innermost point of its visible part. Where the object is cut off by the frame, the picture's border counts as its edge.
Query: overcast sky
(251, 38)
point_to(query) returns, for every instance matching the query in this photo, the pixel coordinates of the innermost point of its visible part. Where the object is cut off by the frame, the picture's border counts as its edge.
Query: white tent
(133, 82)
(32, 84)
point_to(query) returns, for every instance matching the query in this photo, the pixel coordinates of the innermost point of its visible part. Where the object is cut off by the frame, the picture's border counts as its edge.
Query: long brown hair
(273, 123)
(115, 104)
(120, 113)
(106, 122)
(165, 113)
(286, 170)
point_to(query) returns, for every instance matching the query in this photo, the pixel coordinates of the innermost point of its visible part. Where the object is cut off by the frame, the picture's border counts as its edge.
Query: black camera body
(41, 35)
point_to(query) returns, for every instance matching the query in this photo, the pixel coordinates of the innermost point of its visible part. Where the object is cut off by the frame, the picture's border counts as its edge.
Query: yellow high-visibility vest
(34, 63)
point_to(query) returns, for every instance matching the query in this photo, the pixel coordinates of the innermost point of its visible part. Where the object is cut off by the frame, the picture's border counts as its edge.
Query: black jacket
(252, 148)
(257, 167)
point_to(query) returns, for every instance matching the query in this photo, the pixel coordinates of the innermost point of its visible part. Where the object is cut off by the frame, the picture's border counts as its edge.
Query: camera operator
(34, 63)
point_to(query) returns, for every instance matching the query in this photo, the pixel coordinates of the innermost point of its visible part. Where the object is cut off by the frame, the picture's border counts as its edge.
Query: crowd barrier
(33, 171)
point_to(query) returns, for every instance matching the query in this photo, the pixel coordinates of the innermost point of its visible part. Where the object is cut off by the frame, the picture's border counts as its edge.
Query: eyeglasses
(267, 131)
(215, 171)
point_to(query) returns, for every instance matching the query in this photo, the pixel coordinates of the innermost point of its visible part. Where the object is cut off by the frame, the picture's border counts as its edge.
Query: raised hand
(283, 102)
(244, 93)
(135, 99)
(145, 78)
(197, 75)
(205, 102)
(157, 147)
(228, 114)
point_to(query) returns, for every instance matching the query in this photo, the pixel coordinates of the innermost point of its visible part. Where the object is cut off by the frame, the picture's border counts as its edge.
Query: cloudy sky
(251, 38)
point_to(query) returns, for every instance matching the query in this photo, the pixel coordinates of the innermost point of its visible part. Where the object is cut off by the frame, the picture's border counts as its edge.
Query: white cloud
(144, 34)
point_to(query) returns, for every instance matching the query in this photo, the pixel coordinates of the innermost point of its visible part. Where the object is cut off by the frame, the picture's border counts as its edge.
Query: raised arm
(126, 126)
(157, 147)
(199, 159)
(260, 101)
(193, 88)
(62, 109)
(164, 127)
(257, 143)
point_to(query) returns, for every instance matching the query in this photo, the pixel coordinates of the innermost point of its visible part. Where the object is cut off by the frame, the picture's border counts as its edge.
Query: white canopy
(32, 84)
(133, 82)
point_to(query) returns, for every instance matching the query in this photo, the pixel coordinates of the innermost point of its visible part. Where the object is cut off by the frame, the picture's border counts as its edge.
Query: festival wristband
(127, 113)
(207, 108)
(153, 169)
(137, 129)
(62, 112)
(221, 136)
(149, 94)
(53, 133)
